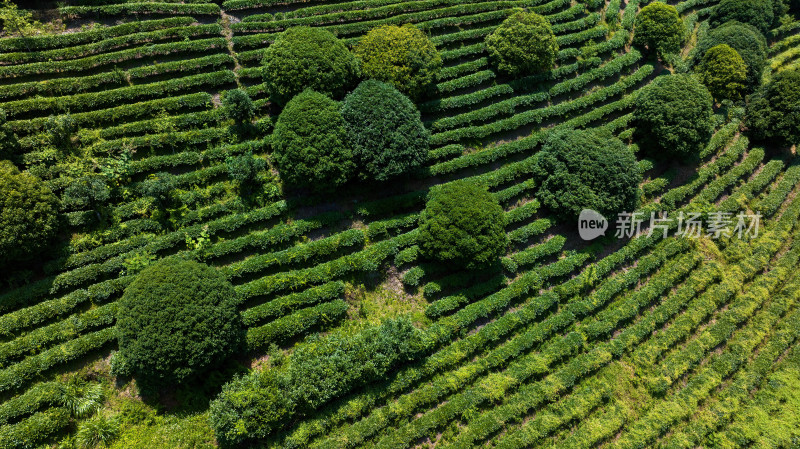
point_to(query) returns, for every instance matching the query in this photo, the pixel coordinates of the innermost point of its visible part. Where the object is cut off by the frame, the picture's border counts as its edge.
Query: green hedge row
(524, 233)
(298, 323)
(203, 9)
(111, 44)
(717, 187)
(50, 41)
(528, 256)
(35, 430)
(29, 369)
(770, 204)
(96, 100)
(41, 395)
(117, 57)
(285, 305)
(147, 109)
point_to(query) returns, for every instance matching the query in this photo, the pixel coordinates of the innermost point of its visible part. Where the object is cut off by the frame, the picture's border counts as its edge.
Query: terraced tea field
(649, 341)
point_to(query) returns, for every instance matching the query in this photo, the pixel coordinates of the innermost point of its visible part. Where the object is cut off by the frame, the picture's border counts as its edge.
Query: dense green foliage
(245, 168)
(303, 57)
(8, 140)
(674, 116)
(399, 55)
(724, 72)
(462, 225)
(254, 406)
(759, 13)
(90, 192)
(774, 110)
(28, 214)
(586, 169)
(745, 39)
(177, 319)
(386, 131)
(659, 28)
(311, 144)
(238, 105)
(523, 44)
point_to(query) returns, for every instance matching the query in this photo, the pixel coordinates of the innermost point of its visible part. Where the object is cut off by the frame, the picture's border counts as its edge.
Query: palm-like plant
(80, 399)
(98, 431)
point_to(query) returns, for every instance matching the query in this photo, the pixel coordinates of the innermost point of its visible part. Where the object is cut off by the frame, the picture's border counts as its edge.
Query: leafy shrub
(745, 39)
(463, 224)
(245, 168)
(324, 368)
(28, 214)
(586, 169)
(60, 130)
(90, 192)
(8, 140)
(238, 105)
(385, 130)
(402, 56)
(674, 116)
(659, 28)
(159, 186)
(774, 110)
(759, 13)
(177, 319)
(724, 72)
(523, 44)
(304, 57)
(310, 142)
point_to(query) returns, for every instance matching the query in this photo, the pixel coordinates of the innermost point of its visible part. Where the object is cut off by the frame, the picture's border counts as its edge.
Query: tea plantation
(355, 223)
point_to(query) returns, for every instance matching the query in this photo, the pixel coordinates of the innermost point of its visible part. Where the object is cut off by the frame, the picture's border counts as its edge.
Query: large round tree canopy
(28, 214)
(311, 145)
(304, 57)
(724, 72)
(399, 55)
(759, 13)
(659, 28)
(523, 44)
(177, 319)
(774, 110)
(745, 39)
(586, 169)
(674, 116)
(463, 225)
(386, 131)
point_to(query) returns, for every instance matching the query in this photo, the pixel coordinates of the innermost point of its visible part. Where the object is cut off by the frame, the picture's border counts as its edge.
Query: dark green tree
(463, 225)
(311, 145)
(60, 130)
(177, 319)
(28, 214)
(9, 145)
(399, 55)
(308, 58)
(523, 44)
(238, 106)
(245, 168)
(773, 113)
(745, 39)
(724, 72)
(90, 192)
(386, 131)
(659, 28)
(674, 116)
(759, 13)
(586, 169)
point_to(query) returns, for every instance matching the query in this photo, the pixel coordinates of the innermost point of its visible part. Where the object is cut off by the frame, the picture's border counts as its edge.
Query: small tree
(463, 225)
(304, 57)
(90, 192)
(774, 110)
(724, 72)
(310, 143)
(745, 39)
(386, 131)
(402, 56)
(177, 319)
(523, 44)
(245, 168)
(674, 116)
(586, 169)
(60, 130)
(28, 214)
(238, 106)
(16, 21)
(659, 28)
(759, 13)
(8, 140)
